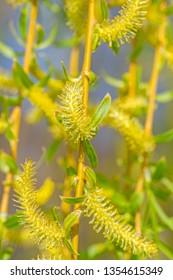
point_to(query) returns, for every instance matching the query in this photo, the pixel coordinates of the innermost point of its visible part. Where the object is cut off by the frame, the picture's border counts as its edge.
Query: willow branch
(16, 113)
(85, 70)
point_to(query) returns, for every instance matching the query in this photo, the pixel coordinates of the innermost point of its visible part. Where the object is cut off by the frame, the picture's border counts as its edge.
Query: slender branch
(151, 107)
(73, 70)
(85, 70)
(16, 113)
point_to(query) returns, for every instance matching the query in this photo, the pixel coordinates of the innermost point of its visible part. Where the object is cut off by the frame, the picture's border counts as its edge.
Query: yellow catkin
(76, 11)
(45, 191)
(134, 134)
(42, 229)
(106, 218)
(39, 98)
(75, 122)
(126, 24)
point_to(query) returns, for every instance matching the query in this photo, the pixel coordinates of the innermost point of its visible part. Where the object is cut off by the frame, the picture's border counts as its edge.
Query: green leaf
(115, 46)
(7, 253)
(91, 154)
(90, 176)
(160, 169)
(23, 19)
(92, 78)
(7, 51)
(18, 39)
(168, 252)
(112, 81)
(40, 34)
(69, 246)
(20, 77)
(49, 40)
(161, 214)
(95, 41)
(55, 214)
(136, 52)
(136, 201)
(165, 97)
(12, 221)
(164, 137)
(72, 200)
(101, 10)
(169, 10)
(7, 163)
(168, 184)
(71, 219)
(51, 150)
(67, 43)
(101, 111)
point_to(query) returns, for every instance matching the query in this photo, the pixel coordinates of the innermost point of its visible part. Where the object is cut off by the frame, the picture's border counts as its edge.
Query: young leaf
(12, 221)
(90, 176)
(168, 184)
(23, 22)
(69, 246)
(72, 200)
(165, 97)
(7, 51)
(101, 111)
(91, 154)
(7, 163)
(167, 251)
(51, 150)
(71, 219)
(164, 137)
(161, 214)
(49, 40)
(160, 169)
(40, 33)
(101, 10)
(20, 77)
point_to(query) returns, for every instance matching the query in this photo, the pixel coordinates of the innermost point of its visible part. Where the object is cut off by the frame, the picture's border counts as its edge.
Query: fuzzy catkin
(135, 137)
(76, 11)
(126, 24)
(41, 228)
(105, 218)
(75, 121)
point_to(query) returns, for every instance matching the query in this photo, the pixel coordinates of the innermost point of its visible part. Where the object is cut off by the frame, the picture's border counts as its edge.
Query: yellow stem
(31, 35)
(85, 70)
(132, 72)
(16, 113)
(151, 107)
(73, 70)
(74, 61)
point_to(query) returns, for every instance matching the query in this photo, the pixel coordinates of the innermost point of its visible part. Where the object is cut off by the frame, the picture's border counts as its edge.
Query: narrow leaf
(7, 51)
(23, 22)
(71, 219)
(101, 111)
(164, 137)
(12, 221)
(69, 246)
(168, 252)
(72, 200)
(91, 154)
(90, 176)
(20, 77)
(165, 97)
(168, 184)
(51, 150)
(161, 214)
(49, 40)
